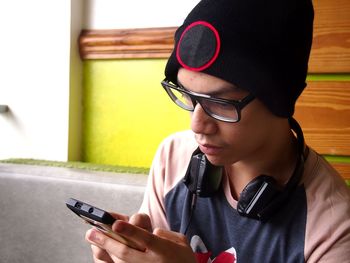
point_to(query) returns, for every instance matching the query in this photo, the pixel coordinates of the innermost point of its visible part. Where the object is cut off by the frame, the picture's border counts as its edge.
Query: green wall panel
(126, 111)
(328, 77)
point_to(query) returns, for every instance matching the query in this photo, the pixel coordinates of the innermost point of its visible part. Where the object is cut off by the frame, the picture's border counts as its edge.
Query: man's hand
(160, 246)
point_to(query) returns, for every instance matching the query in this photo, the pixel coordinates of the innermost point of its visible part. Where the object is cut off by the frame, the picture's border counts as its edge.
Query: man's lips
(210, 149)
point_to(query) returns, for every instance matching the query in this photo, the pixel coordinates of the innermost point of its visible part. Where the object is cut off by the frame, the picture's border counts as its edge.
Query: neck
(276, 158)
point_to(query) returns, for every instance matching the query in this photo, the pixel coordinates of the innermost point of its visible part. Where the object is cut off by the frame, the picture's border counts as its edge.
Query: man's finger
(141, 220)
(138, 235)
(170, 235)
(100, 255)
(114, 248)
(119, 216)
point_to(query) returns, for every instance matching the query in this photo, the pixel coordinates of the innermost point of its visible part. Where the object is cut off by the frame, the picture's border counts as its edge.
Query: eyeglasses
(219, 109)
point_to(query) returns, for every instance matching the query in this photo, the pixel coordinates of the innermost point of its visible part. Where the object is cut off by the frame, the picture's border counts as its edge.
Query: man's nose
(201, 122)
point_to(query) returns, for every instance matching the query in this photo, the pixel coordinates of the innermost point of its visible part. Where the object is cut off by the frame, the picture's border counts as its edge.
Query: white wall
(111, 14)
(40, 70)
(34, 78)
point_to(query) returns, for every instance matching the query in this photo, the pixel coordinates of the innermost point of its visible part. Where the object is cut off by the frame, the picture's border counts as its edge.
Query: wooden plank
(330, 51)
(126, 43)
(331, 43)
(323, 111)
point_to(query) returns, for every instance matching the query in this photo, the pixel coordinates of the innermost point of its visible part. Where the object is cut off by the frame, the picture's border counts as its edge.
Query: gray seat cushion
(35, 224)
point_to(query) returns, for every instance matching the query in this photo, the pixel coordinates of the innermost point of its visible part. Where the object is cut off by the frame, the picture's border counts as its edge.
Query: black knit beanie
(260, 46)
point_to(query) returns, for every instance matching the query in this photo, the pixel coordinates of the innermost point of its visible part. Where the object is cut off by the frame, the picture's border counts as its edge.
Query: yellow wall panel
(126, 111)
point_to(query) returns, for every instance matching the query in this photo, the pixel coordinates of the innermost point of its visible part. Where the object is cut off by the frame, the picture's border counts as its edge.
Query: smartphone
(100, 219)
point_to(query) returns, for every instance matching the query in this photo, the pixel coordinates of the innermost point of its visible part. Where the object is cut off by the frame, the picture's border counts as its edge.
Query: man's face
(226, 143)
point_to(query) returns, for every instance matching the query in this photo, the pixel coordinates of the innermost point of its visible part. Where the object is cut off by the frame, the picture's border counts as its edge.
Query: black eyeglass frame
(196, 98)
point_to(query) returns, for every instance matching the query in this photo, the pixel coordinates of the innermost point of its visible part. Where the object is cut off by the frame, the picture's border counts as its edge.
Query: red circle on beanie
(199, 46)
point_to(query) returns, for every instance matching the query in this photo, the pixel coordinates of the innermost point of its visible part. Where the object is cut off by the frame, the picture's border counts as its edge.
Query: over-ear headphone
(202, 178)
(261, 197)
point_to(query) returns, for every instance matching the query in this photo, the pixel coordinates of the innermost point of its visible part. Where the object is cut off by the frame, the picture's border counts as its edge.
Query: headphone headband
(294, 180)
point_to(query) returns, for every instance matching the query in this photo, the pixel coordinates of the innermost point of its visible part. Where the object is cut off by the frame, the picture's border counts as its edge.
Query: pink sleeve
(328, 222)
(168, 168)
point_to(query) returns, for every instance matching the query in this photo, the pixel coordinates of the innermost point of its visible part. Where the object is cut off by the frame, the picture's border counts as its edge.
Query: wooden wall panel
(330, 51)
(126, 43)
(323, 111)
(331, 44)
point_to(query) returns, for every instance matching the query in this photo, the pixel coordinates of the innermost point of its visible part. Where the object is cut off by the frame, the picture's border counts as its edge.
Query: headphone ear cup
(257, 195)
(209, 182)
(202, 178)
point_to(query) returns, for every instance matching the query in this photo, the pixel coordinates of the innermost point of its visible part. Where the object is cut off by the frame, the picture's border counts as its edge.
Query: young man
(241, 186)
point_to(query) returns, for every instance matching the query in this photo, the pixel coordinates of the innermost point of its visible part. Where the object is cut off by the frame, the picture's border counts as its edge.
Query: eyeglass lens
(216, 109)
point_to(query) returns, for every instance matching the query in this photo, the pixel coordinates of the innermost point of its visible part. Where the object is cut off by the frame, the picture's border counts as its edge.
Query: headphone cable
(193, 206)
